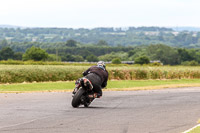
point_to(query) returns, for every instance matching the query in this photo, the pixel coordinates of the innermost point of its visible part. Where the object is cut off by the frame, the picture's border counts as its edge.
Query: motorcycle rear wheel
(76, 101)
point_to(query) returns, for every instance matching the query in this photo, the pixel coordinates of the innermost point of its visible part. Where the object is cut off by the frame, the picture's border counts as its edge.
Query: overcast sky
(99, 13)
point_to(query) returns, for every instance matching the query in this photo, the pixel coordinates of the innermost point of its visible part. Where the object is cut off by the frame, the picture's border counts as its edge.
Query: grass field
(112, 85)
(45, 73)
(121, 77)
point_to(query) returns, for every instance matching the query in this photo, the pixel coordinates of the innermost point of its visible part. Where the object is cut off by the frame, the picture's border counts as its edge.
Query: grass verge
(121, 85)
(195, 130)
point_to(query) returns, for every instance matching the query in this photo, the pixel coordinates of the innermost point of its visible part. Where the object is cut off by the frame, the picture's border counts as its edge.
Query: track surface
(158, 111)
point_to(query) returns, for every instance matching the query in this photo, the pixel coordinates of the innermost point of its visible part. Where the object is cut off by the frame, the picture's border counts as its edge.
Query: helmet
(101, 64)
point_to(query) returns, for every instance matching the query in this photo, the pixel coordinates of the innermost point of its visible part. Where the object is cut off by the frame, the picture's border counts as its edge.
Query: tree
(102, 43)
(184, 55)
(3, 43)
(71, 43)
(67, 57)
(190, 63)
(164, 53)
(18, 56)
(131, 53)
(109, 57)
(84, 53)
(78, 58)
(6, 53)
(92, 58)
(53, 57)
(36, 54)
(142, 60)
(116, 61)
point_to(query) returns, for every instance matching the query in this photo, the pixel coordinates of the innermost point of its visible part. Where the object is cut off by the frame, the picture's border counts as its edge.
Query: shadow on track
(94, 107)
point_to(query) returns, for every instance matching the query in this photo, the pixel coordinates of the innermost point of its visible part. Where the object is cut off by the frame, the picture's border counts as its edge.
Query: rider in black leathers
(98, 75)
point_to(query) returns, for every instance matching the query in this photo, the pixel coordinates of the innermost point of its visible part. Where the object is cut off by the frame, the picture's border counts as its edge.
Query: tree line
(74, 51)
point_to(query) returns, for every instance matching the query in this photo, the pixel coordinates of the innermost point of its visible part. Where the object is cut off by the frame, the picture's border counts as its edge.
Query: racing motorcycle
(83, 93)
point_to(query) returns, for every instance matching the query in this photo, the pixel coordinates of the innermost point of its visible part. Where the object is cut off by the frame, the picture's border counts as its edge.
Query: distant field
(43, 73)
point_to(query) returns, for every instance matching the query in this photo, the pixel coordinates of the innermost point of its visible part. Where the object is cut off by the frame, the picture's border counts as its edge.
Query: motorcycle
(83, 93)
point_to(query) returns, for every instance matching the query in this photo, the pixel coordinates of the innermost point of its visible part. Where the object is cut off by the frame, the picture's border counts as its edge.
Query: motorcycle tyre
(76, 101)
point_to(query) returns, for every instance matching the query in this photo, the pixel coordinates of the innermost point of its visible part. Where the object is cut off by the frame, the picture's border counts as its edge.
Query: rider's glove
(84, 73)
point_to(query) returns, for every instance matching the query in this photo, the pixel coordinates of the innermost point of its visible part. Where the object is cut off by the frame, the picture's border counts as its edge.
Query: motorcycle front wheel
(76, 101)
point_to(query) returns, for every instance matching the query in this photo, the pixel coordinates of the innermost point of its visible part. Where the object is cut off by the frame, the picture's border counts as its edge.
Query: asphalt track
(158, 111)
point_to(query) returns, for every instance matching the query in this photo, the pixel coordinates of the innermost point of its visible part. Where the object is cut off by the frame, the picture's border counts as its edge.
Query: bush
(142, 60)
(156, 64)
(36, 54)
(92, 58)
(38, 73)
(116, 61)
(190, 63)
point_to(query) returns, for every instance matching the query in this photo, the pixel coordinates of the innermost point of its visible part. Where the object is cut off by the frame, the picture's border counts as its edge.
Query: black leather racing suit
(98, 77)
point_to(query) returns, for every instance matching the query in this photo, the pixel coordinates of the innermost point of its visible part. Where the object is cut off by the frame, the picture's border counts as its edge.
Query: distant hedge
(43, 73)
(38, 73)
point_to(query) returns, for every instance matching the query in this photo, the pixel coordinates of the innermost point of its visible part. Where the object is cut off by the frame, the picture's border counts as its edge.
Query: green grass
(195, 130)
(144, 83)
(45, 86)
(112, 85)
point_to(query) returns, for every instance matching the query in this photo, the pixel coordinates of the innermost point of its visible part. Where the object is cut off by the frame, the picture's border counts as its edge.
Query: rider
(98, 75)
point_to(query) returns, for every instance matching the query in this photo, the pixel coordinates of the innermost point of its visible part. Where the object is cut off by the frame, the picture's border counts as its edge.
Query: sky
(99, 13)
